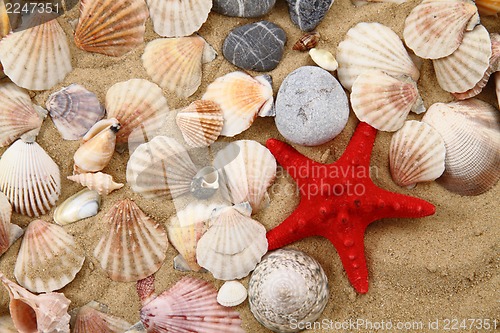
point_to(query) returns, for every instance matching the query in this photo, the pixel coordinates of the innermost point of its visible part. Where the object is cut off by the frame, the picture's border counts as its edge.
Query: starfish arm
(359, 149)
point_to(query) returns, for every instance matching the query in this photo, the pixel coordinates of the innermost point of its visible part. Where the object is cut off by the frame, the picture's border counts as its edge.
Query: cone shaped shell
(231, 293)
(9, 232)
(89, 319)
(178, 18)
(370, 46)
(200, 123)
(132, 103)
(416, 154)
(29, 178)
(463, 69)
(135, 245)
(100, 182)
(240, 97)
(488, 7)
(79, 206)
(471, 133)
(189, 306)
(161, 167)
(36, 58)
(111, 27)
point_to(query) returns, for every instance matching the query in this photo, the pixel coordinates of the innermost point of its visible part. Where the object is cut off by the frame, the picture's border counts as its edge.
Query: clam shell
(29, 178)
(161, 167)
(175, 63)
(233, 245)
(287, 286)
(488, 7)
(247, 169)
(324, 59)
(463, 69)
(200, 123)
(74, 110)
(416, 154)
(48, 258)
(7, 325)
(241, 98)
(471, 133)
(370, 46)
(135, 245)
(79, 206)
(231, 293)
(92, 318)
(9, 232)
(111, 27)
(307, 41)
(178, 18)
(99, 182)
(36, 65)
(384, 101)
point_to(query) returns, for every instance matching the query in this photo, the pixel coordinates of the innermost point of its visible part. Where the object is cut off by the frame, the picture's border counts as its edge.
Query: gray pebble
(311, 107)
(256, 46)
(243, 8)
(307, 14)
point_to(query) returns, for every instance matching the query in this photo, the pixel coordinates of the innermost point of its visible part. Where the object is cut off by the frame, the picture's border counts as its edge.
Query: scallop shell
(324, 59)
(370, 46)
(135, 245)
(133, 102)
(471, 133)
(175, 63)
(463, 69)
(79, 206)
(37, 58)
(7, 324)
(74, 110)
(435, 28)
(161, 167)
(111, 27)
(231, 293)
(29, 178)
(189, 306)
(247, 169)
(416, 154)
(241, 98)
(287, 286)
(93, 318)
(307, 41)
(178, 18)
(200, 123)
(384, 101)
(233, 245)
(9, 232)
(101, 183)
(37, 313)
(488, 7)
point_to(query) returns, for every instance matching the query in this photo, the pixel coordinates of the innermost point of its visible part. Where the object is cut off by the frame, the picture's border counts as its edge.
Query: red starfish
(339, 200)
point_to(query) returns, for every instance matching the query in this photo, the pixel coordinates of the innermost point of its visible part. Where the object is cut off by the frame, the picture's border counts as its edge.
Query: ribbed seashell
(135, 245)
(79, 206)
(100, 182)
(370, 46)
(178, 18)
(189, 306)
(9, 232)
(175, 63)
(200, 123)
(324, 59)
(161, 167)
(241, 98)
(416, 154)
(233, 244)
(46, 313)
(186, 228)
(247, 169)
(435, 28)
(231, 293)
(384, 101)
(465, 67)
(134, 102)
(6, 322)
(307, 41)
(36, 58)
(29, 178)
(92, 317)
(488, 7)
(287, 286)
(471, 133)
(111, 27)
(48, 258)
(74, 110)
(98, 147)
(17, 114)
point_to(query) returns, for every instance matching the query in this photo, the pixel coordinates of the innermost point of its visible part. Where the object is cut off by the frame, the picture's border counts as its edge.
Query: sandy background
(443, 266)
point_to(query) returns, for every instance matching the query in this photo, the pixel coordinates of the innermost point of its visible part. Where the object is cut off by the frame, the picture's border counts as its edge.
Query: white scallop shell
(416, 154)
(79, 206)
(100, 182)
(231, 293)
(370, 46)
(9, 232)
(92, 317)
(29, 178)
(324, 59)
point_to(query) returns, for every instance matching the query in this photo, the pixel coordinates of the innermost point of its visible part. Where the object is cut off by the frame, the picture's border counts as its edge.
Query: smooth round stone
(247, 8)
(311, 107)
(256, 46)
(307, 14)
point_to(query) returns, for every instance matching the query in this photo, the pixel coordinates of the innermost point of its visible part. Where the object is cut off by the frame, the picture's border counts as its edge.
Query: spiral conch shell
(100, 182)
